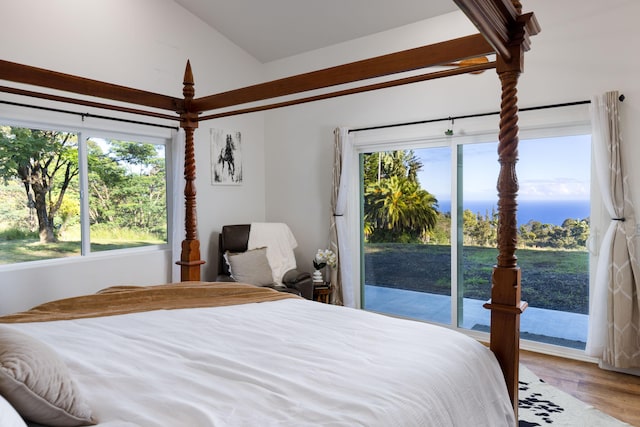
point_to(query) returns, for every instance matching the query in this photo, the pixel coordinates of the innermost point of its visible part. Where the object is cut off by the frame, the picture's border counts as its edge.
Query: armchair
(233, 247)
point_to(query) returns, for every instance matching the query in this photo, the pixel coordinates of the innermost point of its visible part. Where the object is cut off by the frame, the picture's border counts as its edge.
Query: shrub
(17, 234)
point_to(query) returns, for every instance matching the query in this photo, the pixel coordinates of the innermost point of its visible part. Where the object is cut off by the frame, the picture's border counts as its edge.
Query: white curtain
(177, 191)
(343, 154)
(614, 315)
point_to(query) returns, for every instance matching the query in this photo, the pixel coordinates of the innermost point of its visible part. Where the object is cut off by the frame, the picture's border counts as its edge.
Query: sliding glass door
(440, 271)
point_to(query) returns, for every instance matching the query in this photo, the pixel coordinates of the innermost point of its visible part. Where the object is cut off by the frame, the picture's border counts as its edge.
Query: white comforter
(283, 363)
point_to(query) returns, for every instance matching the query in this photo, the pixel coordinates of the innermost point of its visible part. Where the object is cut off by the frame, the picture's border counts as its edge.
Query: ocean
(546, 211)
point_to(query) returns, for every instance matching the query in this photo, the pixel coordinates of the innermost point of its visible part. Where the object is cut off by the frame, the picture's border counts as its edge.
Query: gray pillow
(250, 267)
(37, 383)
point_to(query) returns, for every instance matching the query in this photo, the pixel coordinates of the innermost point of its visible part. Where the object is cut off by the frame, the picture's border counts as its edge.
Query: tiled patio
(437, 308)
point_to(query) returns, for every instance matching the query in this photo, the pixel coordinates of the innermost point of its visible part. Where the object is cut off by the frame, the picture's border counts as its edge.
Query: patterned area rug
(541, 404)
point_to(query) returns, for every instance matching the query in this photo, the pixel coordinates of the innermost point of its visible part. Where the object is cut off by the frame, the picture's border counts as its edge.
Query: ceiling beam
(407, 60)
(477, 68)
(19, 73)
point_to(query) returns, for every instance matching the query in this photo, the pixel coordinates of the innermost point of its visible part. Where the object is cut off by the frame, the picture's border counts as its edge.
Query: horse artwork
(226, 157)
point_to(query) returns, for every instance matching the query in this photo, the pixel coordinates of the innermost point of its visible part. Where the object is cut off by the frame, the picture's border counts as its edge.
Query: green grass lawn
(24, 250)
(551, 279)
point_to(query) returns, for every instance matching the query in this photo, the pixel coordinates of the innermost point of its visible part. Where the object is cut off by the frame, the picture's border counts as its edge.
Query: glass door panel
(553, 226)
(407, 248)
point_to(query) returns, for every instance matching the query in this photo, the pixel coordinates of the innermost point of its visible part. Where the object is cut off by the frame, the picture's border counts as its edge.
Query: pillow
(37, 383)
(8, 416)
(250, 267)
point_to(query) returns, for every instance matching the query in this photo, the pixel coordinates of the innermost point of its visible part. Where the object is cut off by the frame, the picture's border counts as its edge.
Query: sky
(556, 168)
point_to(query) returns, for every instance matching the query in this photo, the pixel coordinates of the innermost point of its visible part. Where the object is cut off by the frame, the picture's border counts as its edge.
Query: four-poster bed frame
(504, 31)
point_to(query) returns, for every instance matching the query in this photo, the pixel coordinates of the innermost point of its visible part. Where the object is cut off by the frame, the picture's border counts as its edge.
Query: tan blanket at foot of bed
(130, 299)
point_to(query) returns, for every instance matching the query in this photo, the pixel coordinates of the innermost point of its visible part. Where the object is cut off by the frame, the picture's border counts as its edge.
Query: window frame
(99, 128)
(539, 124)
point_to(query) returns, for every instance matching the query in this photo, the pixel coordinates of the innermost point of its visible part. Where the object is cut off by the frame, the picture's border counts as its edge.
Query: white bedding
(283, 363)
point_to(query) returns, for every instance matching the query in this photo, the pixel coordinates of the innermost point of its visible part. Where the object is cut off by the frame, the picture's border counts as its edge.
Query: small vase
(317, 277)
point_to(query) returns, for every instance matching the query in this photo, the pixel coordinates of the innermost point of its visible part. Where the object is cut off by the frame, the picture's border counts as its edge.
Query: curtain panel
(343, 291)
(614, 315)
(177, 200)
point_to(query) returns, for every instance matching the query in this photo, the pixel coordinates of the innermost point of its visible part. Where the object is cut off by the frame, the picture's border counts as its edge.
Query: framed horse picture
(226, 157)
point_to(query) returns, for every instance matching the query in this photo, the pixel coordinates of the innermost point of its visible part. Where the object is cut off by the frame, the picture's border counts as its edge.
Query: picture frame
(226, 157)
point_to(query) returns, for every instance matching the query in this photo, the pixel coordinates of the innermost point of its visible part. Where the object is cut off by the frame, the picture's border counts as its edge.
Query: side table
(322, 293)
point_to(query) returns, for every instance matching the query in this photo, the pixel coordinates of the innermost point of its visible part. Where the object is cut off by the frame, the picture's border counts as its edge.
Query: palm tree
(397, 209)
(381, 165)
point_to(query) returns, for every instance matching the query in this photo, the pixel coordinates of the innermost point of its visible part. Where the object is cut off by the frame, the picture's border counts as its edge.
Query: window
(46, 174)
(127, 194)
(442, 272)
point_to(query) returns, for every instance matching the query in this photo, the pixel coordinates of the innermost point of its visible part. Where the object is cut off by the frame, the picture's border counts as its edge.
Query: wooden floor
(613, 393)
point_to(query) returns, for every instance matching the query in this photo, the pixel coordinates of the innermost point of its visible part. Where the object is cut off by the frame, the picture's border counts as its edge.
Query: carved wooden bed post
(505, 304)
(190, 261)
(507, 29)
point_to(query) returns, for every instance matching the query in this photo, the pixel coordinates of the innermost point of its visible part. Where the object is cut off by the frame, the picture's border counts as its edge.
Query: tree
(46, 162)
(399, 210)
(478, 229)
(134, 153)
(440, 234)
(573, 234)
(104, 175)
(396, 208)
(578, 230)
(381, 165)
(127, 185)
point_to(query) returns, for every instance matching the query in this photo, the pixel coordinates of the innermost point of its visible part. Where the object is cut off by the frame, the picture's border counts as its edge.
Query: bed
(183, 357)
(227, 361)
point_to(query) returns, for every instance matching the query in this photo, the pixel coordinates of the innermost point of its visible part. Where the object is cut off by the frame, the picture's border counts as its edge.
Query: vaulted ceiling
(275, 29)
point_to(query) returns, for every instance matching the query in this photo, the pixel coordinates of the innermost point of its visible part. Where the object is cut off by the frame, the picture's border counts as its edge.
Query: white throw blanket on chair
(280, 243)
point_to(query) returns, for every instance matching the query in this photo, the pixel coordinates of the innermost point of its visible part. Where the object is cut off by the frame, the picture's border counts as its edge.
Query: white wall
(583, 50)
(299, 139)
(142, 44)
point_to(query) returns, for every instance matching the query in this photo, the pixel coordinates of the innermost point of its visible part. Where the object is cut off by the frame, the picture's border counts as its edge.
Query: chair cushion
(250, 267)
(232, 238)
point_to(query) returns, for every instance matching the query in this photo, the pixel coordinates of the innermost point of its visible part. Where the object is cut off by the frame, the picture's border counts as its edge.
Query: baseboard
(554, 350)
(630, 371)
